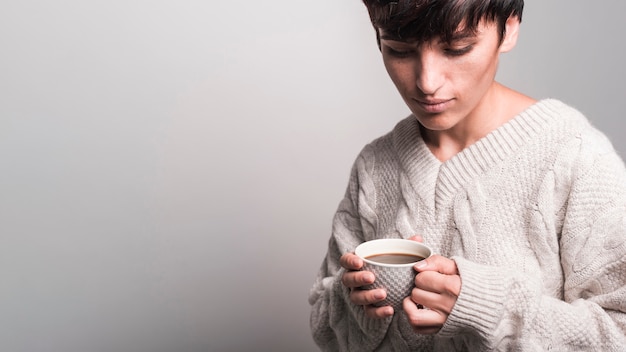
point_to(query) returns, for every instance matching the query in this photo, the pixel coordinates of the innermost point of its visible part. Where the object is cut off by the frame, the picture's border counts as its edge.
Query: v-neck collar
(437, 182)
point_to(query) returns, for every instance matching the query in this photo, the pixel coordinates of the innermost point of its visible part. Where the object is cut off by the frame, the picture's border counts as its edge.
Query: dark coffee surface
(395, 258)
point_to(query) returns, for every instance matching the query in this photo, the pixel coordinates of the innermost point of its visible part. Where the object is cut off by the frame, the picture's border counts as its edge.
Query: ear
(511, 33)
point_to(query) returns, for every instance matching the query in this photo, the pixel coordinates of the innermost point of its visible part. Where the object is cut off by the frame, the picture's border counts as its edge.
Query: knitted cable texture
(534, 215)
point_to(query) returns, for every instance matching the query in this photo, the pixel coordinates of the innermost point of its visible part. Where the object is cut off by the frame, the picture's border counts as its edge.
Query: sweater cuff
(479, 306)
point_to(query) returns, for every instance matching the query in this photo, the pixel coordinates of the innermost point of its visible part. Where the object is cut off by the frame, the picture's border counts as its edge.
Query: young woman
(523, 200)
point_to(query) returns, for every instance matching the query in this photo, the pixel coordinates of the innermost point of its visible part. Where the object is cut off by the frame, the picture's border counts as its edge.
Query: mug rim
(418, 248)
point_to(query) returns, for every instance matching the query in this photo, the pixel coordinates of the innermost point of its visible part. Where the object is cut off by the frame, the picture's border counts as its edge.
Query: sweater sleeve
(336, 323)
(503, 306)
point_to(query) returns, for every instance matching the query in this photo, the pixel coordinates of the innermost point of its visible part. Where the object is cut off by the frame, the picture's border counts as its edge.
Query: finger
(367, 297)
(439, 264)
(423, 321)
(434, 301)
(378, 312)
(351, 261)
(439, 283)
(354, 279)
(417, 238)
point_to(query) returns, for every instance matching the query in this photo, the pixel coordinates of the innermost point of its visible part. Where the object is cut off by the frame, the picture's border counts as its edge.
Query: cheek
(477, 73)
(401, 75)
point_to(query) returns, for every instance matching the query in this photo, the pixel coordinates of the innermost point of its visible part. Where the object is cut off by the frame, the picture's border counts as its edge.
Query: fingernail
(421, 265)
(368, 278)
(379, 295)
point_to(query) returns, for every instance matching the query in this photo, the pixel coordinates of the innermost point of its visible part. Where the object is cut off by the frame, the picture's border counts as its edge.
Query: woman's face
(445, 84)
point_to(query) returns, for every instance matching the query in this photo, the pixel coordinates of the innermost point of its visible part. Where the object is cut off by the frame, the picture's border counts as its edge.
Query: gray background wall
(169, 169)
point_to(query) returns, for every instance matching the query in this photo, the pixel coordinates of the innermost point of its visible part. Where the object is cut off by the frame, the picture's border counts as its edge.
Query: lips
(433, 105)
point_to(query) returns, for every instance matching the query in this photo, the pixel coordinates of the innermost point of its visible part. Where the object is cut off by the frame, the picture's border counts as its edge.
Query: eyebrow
(391, 37)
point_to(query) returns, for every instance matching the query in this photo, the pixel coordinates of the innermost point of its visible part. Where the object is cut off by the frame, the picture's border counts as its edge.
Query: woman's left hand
(437, 287)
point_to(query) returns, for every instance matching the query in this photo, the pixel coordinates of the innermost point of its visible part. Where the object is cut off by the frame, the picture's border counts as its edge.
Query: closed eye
(458, 51)
(399, 52)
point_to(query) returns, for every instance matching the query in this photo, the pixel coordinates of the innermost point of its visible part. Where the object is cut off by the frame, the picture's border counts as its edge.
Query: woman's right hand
(354, 279)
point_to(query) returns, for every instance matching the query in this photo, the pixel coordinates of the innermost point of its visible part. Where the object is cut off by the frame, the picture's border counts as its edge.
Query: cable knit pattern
(534, 214)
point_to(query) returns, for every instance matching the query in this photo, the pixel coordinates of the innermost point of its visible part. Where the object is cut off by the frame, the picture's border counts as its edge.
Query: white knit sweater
(534, 214)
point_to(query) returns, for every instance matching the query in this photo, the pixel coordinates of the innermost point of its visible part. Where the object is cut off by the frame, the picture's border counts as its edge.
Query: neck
(499, 105)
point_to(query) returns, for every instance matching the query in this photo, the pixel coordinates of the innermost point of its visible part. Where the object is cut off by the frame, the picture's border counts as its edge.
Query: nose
(429, 71)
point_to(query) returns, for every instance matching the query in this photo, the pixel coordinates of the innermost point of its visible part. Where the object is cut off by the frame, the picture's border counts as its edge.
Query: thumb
(417, 238)
(439, 264)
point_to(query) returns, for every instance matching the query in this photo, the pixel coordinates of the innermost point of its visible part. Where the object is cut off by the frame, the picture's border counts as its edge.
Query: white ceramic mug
(397, 279)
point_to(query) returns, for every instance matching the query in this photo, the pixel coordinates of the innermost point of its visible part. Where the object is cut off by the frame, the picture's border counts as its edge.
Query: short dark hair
(424, 20)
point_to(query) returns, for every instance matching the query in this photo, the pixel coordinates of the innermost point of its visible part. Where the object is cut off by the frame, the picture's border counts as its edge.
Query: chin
(435, 123)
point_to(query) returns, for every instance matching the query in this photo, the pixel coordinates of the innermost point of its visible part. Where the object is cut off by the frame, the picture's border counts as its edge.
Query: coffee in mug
(395, 258)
